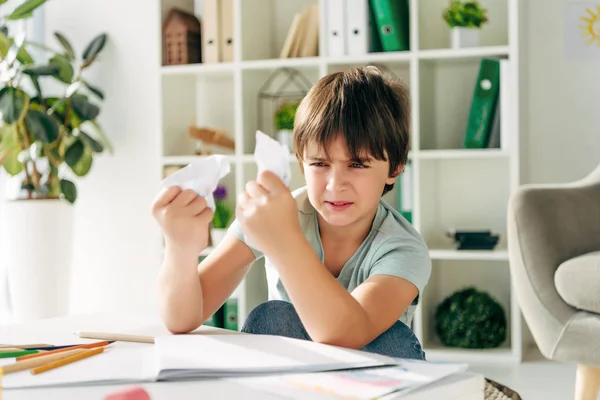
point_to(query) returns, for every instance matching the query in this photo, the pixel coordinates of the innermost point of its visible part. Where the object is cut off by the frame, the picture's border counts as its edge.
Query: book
(207, 353)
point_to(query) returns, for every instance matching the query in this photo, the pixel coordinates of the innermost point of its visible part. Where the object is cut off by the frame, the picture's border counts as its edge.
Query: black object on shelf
(474, 240)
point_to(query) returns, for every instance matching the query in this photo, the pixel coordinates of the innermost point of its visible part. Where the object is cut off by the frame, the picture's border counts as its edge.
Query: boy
(343, 267)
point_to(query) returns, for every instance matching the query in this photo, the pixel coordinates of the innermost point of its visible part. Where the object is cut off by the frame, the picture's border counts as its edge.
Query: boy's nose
(336, 181)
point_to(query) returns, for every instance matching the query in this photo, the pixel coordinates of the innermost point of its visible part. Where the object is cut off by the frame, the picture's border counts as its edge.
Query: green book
(392, 20)
(483, 105)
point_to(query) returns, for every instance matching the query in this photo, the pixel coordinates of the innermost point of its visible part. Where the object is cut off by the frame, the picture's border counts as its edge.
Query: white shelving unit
(452, 187)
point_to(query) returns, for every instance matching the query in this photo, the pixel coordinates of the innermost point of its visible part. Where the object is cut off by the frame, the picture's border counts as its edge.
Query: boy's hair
(370, 111)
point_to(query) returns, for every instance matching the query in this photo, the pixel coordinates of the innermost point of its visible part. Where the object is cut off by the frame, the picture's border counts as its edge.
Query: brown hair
(371, 111)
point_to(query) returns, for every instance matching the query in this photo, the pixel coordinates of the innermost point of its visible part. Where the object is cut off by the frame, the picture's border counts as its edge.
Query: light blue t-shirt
(392, 247)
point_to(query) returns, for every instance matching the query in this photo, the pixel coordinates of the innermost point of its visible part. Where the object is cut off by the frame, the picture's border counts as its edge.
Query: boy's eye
(358, 165)
(318, 164)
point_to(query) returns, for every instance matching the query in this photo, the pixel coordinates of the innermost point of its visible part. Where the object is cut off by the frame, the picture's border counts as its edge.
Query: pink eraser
(130, 393)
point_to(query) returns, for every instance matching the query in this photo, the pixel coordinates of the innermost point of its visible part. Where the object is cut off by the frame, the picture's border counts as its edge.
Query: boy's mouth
(338, 205)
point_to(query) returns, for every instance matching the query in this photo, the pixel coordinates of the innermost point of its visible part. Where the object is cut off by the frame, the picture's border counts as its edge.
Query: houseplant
(465, 19)
(222, 215)
(284, 122)
(470, 318)
(47, 139)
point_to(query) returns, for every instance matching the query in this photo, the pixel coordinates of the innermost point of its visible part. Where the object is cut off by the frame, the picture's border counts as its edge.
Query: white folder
(211, 19)
(336, 32)
(357, 27)
(226, 31)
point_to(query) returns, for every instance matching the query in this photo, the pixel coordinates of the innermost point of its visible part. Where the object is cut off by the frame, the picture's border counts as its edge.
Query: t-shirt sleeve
(407, 260)
(236, 229)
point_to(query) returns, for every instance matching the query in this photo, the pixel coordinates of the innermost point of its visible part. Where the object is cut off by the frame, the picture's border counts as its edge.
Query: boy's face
(342, 190)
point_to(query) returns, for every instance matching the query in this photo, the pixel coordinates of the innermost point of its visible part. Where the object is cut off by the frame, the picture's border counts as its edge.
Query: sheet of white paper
(272, 156)
(202, 176)
(367, 383)
(231, 355)
(112, 365)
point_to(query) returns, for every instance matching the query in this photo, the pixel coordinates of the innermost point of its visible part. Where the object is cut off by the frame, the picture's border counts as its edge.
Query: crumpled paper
(202, 176)
(272, 156)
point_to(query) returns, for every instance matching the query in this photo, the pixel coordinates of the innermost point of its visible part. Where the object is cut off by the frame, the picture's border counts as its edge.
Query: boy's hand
(184, 219)
(268, 213)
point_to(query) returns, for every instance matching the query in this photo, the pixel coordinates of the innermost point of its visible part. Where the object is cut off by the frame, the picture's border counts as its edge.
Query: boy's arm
(328, 311)
(190, 292)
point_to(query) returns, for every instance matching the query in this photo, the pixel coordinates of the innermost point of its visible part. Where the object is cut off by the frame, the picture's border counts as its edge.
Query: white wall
(117, 243)
(560, 107)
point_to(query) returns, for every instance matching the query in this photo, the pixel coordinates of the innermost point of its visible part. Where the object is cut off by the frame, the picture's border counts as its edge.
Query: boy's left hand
(268, 214)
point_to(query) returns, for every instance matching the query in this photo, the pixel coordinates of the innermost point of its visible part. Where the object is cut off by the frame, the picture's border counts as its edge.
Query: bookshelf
(452, 187)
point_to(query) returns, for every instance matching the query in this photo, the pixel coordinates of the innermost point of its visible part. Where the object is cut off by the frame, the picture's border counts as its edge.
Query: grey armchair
(554, 252)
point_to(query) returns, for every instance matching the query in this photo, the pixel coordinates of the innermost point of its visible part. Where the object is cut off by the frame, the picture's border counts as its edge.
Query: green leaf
(24, 57)
(3, 1)
(84, 109)
(90, 143)
(9, 150)
(94, 48)
(25, 10)
(94, 90)
(66, 45)
(93, 130)
(42, 126)
(4, 44)
(42, 70)
(68, 189)
(74, 153)
(65, 69)
(12, 104)
(84, 165)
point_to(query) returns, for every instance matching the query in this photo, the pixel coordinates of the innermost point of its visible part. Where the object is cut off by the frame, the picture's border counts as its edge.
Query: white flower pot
(217, 235)
(464, 37)
(37, 237)
(286, 138)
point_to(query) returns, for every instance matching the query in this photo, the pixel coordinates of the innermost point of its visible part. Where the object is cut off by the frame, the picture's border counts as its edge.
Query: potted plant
(221, 217)
(465, 19)
(46, 140)
(284, 122)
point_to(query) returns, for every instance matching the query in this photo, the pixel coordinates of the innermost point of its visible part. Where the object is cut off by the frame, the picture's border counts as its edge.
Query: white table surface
(61, 331)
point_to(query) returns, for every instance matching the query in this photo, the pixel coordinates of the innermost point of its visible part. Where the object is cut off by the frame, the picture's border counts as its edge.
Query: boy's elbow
(181, 327)
(355, 340)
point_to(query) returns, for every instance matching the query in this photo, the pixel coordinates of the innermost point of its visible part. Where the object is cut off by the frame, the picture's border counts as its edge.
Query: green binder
(392, 20)
(483, 105)
(230, 320)
(216, 319)
(375, 42)
(404, 197)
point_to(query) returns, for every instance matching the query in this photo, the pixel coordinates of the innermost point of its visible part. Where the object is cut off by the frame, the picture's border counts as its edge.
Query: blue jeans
(279, 318)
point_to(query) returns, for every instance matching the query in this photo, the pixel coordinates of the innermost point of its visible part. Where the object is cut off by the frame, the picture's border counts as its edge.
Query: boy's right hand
(184, 219)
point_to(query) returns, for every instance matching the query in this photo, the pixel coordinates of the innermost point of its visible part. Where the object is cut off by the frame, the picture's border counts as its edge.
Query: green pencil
(12, 354)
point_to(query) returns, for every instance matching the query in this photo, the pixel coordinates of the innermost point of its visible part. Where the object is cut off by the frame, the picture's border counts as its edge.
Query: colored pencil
(59, 363)
(119, 337)
(7, 349)
(39, 361)
(66, 348)
(26, 346)
(12, 354)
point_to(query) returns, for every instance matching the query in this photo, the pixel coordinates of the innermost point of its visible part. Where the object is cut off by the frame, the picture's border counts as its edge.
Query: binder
(336, 32)
(505, 104)
(374, 40)
(483, 105)
(226, 33)
(230, 314)
(358, 31)
(404, 193)
(392, 20)
(210, 32)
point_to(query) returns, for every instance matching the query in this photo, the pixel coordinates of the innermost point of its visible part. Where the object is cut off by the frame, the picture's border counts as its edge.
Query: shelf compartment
(265, 25)
(252, 84)
(450, 276)
(195, 100)
(463, 195)
(434, 32)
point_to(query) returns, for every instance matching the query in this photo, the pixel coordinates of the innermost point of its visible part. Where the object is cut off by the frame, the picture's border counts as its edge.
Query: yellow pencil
(39, 361)
(68, 360)
(119, 337)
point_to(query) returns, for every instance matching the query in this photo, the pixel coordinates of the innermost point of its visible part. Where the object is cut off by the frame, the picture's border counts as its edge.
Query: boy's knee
(398, 341)
(275, 317)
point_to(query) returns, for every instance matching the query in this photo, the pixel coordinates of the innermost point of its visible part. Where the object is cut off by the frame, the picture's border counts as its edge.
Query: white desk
(60, 331)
